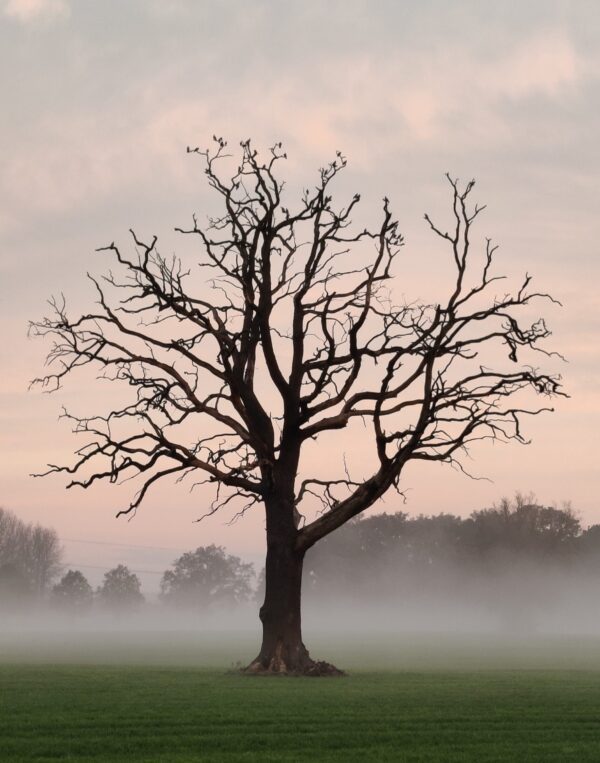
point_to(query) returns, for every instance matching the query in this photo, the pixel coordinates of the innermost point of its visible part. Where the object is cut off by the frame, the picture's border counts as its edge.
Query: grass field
(147, 712)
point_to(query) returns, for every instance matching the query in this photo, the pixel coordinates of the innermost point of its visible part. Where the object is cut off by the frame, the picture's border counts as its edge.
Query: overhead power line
(122, 545)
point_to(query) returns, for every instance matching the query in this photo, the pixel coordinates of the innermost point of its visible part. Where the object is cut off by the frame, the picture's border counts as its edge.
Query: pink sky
(98, 109)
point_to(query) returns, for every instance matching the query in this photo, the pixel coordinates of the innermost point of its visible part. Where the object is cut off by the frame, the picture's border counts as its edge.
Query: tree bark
(282, 651)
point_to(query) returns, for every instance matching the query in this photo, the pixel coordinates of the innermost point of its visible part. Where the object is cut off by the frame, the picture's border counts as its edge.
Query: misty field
(173, 697)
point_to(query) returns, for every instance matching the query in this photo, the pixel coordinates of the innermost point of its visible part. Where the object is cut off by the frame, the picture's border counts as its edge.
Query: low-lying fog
(515, 585)
(527, 618)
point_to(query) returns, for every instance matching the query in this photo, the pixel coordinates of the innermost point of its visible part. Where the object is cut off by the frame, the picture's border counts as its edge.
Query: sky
(100, 101)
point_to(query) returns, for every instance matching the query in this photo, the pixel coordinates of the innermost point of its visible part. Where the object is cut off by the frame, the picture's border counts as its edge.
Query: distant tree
(73, 593)
(15, 588)
(120, 590)
(32, 549)
(207, 577)
(297, 336)
(12, 536)
(380, 555)
(522, 527)
(349, 559)
(589, 547)
(44, 557)
(591, 535)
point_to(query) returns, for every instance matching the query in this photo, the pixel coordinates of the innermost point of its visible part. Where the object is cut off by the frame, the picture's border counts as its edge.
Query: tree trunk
(282, 651)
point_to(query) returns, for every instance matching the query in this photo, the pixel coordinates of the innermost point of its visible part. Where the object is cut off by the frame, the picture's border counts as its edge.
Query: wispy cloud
(27, 11)
(546, 63)
(423, 99)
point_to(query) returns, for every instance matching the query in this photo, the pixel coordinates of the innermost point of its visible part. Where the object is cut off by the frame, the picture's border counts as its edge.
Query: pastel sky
(100, 100)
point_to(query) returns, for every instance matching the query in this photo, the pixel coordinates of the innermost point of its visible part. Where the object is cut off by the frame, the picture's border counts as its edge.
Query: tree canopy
(73, 593)
(205, 578)
(120, 590)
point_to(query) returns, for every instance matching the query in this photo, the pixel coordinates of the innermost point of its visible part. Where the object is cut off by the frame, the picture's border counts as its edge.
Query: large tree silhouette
(292, 335)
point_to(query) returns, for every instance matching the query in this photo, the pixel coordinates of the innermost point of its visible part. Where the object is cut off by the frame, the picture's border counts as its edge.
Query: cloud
(449, 97)
(454, 96)
(546, 63)
(27, 11)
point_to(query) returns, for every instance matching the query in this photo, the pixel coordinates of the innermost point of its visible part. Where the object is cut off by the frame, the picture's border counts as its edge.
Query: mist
(388, 591)
(527, 598)
(426, 631)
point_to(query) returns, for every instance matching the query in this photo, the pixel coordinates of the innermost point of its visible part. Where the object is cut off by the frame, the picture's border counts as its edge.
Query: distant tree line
(200, 580)
(387, 552)
(120, 592)
(31, 573)
(382, 555)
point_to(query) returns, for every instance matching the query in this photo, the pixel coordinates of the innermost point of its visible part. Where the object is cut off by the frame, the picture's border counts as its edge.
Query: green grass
(169, 696)
(151, 713)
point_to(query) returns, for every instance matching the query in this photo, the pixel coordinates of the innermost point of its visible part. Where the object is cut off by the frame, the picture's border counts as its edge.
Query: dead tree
(293, 334)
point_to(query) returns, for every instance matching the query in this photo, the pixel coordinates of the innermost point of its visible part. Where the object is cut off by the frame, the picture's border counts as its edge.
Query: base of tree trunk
(276, 665)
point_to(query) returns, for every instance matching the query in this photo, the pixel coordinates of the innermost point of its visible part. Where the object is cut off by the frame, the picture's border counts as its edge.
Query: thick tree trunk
(282, 651)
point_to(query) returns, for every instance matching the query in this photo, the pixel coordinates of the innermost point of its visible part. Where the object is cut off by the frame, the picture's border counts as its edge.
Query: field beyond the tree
(173, 697)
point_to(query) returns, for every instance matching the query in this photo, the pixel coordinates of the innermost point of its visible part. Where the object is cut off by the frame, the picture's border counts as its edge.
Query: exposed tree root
(307, 667)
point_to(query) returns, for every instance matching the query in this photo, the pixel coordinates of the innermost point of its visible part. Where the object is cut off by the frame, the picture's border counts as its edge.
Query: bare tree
(13, 532)
(32, 549)
(294, 335)
(44, 560)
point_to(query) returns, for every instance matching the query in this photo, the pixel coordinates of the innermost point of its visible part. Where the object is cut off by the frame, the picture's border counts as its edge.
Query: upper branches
(445, 385)
(292, 332)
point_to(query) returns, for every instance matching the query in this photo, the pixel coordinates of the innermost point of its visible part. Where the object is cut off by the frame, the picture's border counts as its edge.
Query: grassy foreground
(151, 713)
